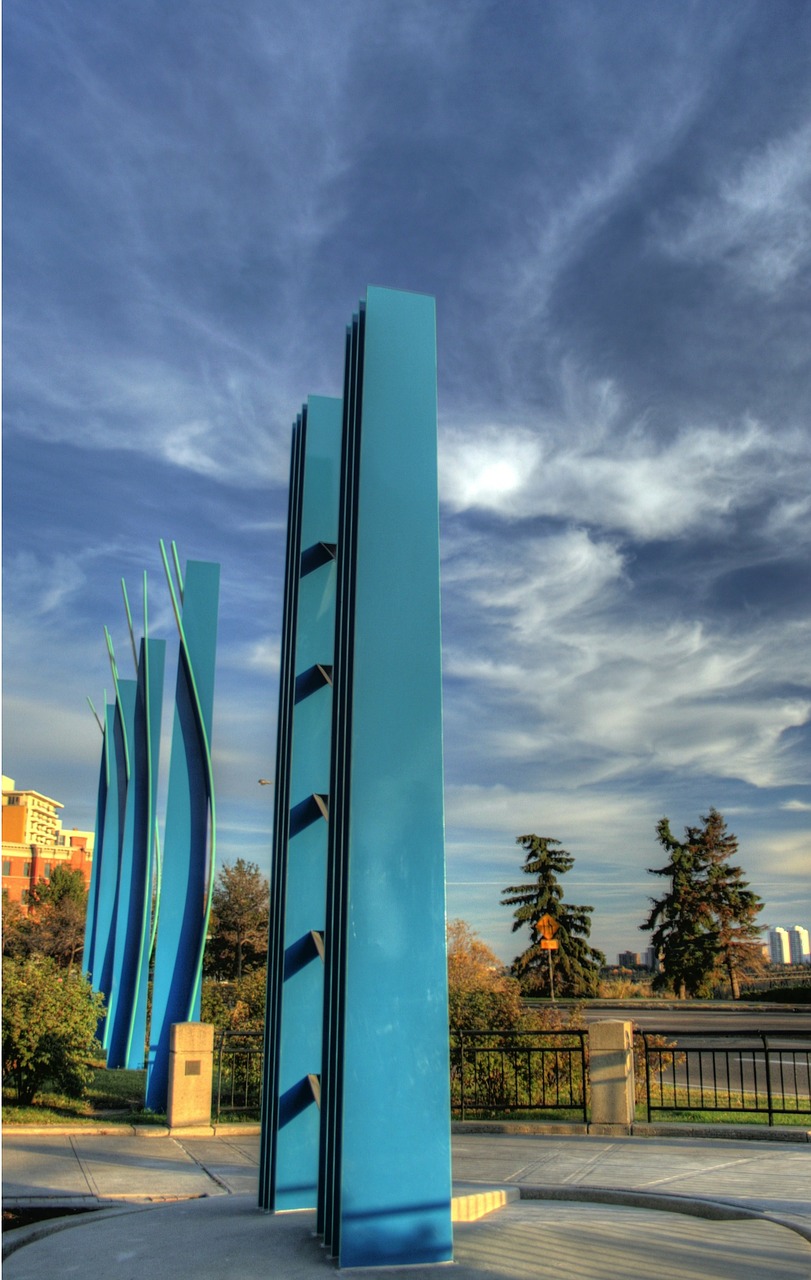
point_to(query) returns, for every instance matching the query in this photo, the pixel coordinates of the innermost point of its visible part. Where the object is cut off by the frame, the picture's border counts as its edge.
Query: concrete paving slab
(35, 1165)
(231, 1162)
(220, 1239)
(777, 1179)
(133, 1167)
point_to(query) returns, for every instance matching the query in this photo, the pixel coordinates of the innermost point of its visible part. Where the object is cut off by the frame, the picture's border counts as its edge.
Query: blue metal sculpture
(383, 1190)
(108, 852)
(289, 1156)
(133, 932)
(189, 835)
(91, 933)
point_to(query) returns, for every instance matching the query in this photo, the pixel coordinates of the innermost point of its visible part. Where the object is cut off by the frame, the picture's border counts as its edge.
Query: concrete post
(611, 1073)
(191, 1068)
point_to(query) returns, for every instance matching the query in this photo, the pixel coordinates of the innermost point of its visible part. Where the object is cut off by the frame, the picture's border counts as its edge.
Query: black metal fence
(496, 1073)
(735, 1071)
(499, 1073)
(237, 1073)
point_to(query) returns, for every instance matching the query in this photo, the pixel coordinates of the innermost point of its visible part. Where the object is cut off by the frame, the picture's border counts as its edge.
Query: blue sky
(612, 206)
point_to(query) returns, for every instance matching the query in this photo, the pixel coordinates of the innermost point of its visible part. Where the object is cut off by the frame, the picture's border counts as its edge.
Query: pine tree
(706, 920)
(575, 967)
(680, 921)
(733, 904)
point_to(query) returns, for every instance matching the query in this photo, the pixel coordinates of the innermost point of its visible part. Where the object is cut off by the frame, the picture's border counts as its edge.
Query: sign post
(547, 927)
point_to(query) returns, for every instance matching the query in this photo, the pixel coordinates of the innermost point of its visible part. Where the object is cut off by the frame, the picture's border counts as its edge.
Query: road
(700, 1016)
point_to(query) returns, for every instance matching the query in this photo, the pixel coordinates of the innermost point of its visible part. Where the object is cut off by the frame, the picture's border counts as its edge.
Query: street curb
(136, 1130)
(664, 1202)
(641, 1129)
(21, 1236)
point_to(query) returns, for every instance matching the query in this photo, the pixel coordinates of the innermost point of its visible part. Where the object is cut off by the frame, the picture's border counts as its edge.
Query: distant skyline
(612, 207)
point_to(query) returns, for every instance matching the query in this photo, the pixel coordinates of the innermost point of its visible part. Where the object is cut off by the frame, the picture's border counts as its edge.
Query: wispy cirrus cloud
(756, 223)
(640, 485)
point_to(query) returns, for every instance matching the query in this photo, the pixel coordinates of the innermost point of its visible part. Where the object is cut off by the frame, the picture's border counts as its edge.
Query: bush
(781, 995)
(49, 1028)
(235, 1006)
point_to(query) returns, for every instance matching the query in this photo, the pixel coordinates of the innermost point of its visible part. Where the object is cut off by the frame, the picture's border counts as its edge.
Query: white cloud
(570, 665)
(627, 481)
(757, 223)
(264, 656)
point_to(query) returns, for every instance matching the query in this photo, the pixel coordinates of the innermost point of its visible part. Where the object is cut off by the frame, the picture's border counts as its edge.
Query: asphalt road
(701, 1016)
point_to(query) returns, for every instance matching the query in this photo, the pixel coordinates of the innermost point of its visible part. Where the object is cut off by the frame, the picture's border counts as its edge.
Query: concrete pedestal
(611, 1071)
(191, 1067)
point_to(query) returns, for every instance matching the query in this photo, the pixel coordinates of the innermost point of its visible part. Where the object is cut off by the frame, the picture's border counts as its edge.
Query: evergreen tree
(238, 928)
(734, 906)
(575, 967)
(706, 920)
(680, 921)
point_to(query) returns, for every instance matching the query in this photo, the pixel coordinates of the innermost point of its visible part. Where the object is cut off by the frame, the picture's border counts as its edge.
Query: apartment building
(799, 945)
(35, 842)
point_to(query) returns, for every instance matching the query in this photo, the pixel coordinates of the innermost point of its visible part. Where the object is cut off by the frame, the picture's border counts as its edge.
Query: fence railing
(735, 1071)
(498, 1073)
(237, 1072)
(493, 1073)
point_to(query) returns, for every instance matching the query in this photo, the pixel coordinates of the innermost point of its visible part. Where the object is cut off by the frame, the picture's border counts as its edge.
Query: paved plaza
(594, 1208)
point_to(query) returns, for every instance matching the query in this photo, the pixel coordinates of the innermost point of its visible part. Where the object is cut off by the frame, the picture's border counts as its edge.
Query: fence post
(191, 1067)
(611, 1076)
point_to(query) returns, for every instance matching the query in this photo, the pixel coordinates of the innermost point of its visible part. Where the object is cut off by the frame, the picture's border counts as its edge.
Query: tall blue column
(189, 838)
(290, 1132)
(395, 1184)
(384, 1185)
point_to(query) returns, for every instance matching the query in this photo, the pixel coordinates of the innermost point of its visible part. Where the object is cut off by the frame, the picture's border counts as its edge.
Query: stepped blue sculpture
(189, 844)
(128, 918)
(358, 894)
(100, 926)
(126, 1034)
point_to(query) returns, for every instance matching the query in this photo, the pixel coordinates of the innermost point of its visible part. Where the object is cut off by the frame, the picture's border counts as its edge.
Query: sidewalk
(589, 1207)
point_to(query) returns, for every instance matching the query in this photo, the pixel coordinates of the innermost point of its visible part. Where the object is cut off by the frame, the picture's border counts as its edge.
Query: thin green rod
(178, 572)
(114, 669)
(129, 625)
(145, 914)
(96, 714)
(158, 883)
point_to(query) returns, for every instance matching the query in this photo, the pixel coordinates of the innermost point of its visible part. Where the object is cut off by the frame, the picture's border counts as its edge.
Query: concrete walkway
(590, 1207)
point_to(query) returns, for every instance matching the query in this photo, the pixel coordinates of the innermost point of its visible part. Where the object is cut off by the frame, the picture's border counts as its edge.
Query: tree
(481, 994)
(16, 928)
(706, 920)
(236, 1006)
(576, 965)
(680, 920)
(734, 906)
(59, 906)
(238, 929)
(49, 1027)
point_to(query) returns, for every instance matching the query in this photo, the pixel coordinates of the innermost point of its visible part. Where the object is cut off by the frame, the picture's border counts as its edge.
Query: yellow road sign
(547, 927)
(548, 944)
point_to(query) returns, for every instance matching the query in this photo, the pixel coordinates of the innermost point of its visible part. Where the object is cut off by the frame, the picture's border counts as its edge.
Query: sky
(611, 204)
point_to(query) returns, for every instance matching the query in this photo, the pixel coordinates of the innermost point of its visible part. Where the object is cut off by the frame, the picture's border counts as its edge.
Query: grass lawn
(781, 1119)
(114, 1097)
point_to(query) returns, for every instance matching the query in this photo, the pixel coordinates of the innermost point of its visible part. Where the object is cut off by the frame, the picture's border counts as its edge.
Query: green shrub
(49, 1024)
(781, 995)
(238, 1005)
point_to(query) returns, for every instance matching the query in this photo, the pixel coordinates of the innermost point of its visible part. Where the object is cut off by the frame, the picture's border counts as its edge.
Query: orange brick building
(34, 842)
